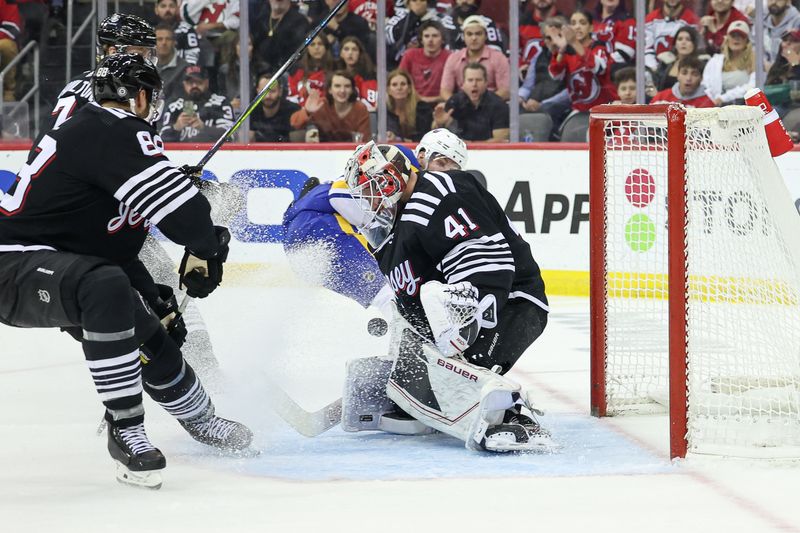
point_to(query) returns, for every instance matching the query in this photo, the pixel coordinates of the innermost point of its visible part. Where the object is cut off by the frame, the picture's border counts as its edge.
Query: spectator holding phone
(198, 115)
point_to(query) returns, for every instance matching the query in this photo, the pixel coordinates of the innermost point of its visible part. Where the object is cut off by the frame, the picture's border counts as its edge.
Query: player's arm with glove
(201, 272)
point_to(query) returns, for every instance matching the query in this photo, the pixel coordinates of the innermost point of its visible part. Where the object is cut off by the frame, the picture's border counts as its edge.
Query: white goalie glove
(453, 314)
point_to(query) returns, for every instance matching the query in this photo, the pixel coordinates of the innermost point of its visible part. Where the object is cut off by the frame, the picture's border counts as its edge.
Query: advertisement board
(544, 190)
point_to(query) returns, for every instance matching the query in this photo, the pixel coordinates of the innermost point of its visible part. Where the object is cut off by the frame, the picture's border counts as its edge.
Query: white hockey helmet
(442, 142)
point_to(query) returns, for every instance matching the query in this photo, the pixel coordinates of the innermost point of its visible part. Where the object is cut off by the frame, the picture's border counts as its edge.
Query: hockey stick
(307, 423)
(275, 77)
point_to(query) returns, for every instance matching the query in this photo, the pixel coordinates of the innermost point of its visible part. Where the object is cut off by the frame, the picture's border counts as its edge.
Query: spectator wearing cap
(689, 89)
(336, 116)
(271, 121)
(716, 24)
(197, 115)
(476, 51)
(782, 18)
(426, 64)
(170, 65)
(481, 114)
(461, 11)
(730, 73)
(402, 29)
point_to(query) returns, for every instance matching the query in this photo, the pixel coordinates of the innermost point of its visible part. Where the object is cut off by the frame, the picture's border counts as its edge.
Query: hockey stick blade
(307, 423)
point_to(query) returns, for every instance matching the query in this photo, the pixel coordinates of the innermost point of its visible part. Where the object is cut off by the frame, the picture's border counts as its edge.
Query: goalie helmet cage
(699, 317)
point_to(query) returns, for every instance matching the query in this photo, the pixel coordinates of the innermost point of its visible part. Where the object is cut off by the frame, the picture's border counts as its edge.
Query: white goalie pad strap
(453, 311)
(448, 394)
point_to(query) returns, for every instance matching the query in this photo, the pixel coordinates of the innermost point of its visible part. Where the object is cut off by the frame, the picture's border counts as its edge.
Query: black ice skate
(138, 461)
(220, 433)
(518, 432)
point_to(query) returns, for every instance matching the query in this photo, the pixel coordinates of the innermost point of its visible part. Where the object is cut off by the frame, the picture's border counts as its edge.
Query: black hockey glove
(201, 275)
(195, 175)
(167, 310)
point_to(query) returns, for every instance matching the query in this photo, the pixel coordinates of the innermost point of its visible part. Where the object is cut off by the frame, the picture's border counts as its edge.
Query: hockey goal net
(695, 278)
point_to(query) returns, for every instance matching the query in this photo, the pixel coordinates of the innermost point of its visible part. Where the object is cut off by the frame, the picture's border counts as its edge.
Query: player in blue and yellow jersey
(320, 232)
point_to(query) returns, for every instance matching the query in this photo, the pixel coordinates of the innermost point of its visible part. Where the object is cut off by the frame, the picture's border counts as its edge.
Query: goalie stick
(307, 423)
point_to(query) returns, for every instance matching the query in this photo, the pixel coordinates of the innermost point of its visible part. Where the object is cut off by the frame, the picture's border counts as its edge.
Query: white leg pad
(448, 394)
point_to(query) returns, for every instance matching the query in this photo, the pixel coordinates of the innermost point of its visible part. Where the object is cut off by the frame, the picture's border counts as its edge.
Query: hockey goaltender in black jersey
(452, 230)
(71, 226)
(470, 296)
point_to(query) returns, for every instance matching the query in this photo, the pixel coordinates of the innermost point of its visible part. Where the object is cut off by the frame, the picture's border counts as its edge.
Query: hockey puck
(377, 327)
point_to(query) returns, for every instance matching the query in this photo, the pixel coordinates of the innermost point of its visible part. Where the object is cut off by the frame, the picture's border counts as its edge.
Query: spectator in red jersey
(661, 26)
(214, 20)
(582, 62)
(311, 70)
(368, 10)
(530, 32)
(336, 117)
(689, 89)
(476, 51)
(408, 119)
(686, 43)
(716, 24)
(731, 73)
(401, 30)
(426, 64)
(354, 59)
(615, 26)
(10, 25)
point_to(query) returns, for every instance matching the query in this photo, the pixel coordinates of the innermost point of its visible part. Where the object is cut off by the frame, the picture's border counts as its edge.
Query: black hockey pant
(519, 323)
(44, 289)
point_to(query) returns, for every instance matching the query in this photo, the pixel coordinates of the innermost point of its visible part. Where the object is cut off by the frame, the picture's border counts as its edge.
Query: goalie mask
(120, 77)
(129, 34)
(377, 176)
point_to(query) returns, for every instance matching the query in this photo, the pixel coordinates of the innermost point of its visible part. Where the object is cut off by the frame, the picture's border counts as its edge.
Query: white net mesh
(743, 285)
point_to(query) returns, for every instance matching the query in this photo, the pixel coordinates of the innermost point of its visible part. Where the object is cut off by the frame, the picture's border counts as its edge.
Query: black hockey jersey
(452, 230)
(94, 185)
(215, 112)
(72, 97)
(187, 43)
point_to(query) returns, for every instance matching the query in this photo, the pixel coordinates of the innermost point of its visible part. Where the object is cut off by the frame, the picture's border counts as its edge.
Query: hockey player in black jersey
(469, 294)
(71, 227)
(119, 33)
(131, 34)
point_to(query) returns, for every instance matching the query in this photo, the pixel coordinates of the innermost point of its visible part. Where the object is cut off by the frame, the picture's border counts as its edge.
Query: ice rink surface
(611, 475)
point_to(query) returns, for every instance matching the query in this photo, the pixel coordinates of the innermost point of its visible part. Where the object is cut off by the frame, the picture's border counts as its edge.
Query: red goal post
(675, 305)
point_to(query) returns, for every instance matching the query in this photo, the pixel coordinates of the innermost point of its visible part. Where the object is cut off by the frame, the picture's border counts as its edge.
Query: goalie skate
(518, 433)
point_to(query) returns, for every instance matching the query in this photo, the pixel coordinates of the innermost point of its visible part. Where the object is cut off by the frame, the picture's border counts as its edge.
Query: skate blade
(150, 479)
(533, 446)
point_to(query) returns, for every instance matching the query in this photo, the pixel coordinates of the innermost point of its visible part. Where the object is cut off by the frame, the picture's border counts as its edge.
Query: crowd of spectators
(449, 63)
